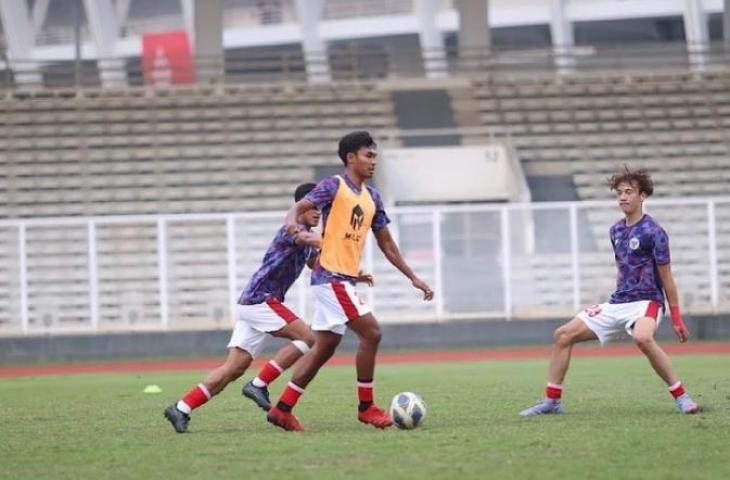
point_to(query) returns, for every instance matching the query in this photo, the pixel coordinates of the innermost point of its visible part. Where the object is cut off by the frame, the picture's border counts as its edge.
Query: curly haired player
(641, 249)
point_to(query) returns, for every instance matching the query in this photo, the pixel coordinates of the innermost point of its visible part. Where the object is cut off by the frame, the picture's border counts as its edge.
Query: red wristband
(675, 313)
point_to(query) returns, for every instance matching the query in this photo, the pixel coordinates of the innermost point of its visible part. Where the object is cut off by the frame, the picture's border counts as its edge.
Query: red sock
(196, 397)
(269, 372)
(365, 391)
(290, 397)
(553, 391)
(677, 390)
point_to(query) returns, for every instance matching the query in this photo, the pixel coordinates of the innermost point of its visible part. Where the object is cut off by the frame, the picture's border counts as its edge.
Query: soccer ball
(408, 410)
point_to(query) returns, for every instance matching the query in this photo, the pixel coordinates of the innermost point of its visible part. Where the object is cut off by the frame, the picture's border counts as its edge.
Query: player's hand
(363, 277)
(678, 324)
(422, 286)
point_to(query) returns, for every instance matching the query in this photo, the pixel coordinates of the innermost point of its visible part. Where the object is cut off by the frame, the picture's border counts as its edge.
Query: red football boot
(376, 417)
(285, 420)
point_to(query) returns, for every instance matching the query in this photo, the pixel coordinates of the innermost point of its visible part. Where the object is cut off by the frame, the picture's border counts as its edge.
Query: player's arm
(392, 253)
(311, 239)
(322, 195)
(290, 223)
(308, 238)
(670, 289)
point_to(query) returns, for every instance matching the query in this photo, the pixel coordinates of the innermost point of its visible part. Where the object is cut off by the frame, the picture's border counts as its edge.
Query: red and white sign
(167, 58)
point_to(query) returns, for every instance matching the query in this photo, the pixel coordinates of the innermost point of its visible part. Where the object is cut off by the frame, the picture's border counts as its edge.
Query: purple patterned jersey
(282, 265)
(322, 197)
(638, 250)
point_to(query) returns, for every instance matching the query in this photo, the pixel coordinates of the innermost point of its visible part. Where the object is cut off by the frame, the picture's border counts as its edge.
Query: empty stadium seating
(675, 124)
(177, 150)
(235, 148)
(588, 126)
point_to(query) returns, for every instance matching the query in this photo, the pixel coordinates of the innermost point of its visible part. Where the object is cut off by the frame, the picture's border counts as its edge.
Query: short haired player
(641, 250)
(350, 208)
(262, 313)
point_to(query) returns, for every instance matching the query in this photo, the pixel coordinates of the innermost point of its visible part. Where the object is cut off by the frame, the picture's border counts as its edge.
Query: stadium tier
(241, 147)
(99, 152)
(180, 150)
(588, 125)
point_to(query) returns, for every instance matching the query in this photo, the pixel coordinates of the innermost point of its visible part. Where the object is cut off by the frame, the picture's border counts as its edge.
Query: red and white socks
(268, 374)
(365, 394)
(289, 397)
(196, 397)
(677, 390)
(292, 392)
(682, 399)
(554, 392)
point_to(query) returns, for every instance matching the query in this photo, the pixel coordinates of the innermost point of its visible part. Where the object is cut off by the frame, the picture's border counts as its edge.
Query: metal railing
(367, 62)
(185, 271)
(339, 9)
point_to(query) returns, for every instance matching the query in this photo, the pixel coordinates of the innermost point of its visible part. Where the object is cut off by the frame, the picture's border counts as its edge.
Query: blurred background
(150, 148)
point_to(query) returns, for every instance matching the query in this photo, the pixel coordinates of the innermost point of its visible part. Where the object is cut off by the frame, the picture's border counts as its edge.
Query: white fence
(484, 261)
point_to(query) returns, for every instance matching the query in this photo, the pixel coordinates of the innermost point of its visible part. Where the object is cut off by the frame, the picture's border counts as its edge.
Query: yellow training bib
(347, 226)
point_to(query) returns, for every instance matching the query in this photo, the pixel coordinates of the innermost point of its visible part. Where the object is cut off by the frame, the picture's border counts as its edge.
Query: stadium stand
(593, 124)
(138, 151)
(201, 149)
(588, 126)
(181, 150)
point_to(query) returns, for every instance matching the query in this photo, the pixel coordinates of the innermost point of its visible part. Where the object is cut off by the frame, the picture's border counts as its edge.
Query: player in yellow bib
(350, 209)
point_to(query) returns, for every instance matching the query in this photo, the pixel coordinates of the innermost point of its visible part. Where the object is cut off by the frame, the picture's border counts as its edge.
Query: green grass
(620, 424)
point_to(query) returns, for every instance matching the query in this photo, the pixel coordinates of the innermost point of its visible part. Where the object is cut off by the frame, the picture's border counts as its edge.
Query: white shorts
(255, 322)
(609, 321)
(337, 304)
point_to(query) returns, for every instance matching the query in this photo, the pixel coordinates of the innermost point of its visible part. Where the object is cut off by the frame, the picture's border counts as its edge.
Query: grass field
(620, 424)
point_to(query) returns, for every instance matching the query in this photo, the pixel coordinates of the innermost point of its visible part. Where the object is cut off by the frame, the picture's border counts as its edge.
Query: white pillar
(205, 17)
(474, 34)
(561, 30)
(315, 49)
(208, 40)
(102, 19)
(432, 41)
(695, 29)
(726, 22)
(20, 36)
(188, 12)
(122, 12)
(40, 11)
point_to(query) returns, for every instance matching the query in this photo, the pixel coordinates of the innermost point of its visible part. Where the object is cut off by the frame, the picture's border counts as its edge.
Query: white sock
(258, 383)
(183, 407)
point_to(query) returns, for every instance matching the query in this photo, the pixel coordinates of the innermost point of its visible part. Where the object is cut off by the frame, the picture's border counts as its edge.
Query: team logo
(357, 217)
(634, 243)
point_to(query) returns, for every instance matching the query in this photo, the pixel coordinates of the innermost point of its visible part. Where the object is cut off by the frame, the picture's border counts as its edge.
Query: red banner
(167, 58)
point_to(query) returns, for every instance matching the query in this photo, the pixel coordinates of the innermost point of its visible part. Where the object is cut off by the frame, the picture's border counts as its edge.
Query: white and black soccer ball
(408, 410)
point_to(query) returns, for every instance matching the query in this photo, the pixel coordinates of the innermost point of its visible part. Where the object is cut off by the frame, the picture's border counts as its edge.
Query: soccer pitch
(620, 423)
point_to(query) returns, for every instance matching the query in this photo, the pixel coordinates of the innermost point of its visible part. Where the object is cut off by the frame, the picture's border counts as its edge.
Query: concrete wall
(461, 334)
